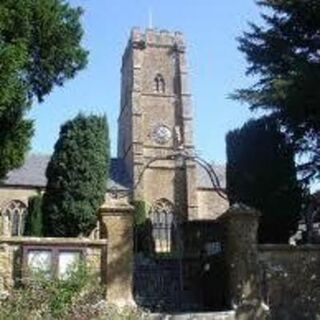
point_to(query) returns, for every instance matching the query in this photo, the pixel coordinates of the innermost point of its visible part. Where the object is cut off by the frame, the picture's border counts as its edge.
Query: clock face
(161, 134)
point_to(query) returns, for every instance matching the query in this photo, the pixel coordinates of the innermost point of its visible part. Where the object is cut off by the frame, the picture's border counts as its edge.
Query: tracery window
(14, 215)
(159, 83)
(162, 219)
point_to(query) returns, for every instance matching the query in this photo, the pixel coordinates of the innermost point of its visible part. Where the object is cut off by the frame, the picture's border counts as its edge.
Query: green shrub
(80, 296)
(42, 298)
(140, 212)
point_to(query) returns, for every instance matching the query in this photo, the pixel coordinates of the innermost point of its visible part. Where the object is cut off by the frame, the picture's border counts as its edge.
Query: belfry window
(13, 216)
(162, 219)
(159, 84)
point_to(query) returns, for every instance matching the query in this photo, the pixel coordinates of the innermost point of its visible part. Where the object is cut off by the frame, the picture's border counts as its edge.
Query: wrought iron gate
(158, 284)
(158, 275)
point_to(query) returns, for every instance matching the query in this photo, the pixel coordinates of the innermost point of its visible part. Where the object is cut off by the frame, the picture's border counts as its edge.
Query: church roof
(33, 174)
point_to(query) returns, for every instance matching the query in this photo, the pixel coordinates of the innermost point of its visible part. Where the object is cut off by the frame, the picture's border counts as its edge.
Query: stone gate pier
(116, 219)
(242, 263)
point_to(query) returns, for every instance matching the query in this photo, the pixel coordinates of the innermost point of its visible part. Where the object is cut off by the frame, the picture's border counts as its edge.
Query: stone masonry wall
(11, 255)
(291, 280)
(8, 194)
(145, 109)
(210, 204)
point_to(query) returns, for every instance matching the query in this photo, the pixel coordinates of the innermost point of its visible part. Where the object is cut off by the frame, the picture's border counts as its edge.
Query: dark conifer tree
(284, 57)
(77, 177)
(261, 173)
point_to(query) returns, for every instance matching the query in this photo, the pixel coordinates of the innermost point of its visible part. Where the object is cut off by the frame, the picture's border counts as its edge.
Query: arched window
(13, 217)
(162, 219)
(159, 83)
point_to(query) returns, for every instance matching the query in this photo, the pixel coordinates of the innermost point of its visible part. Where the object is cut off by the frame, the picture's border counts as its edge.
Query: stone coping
(288, 247)
(118, 209)
(232, 213)
(209, 315)
(53, 241)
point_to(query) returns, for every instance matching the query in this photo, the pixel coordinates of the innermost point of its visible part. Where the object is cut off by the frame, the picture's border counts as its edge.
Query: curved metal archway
(182, 157)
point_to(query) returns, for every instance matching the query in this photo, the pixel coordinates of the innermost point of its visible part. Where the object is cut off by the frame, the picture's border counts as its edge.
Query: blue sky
(216, 66)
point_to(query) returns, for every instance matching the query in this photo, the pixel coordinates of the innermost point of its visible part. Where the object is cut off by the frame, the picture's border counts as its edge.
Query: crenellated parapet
(158, 38)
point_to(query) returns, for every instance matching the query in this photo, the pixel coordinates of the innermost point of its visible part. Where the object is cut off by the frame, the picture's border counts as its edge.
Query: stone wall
(210, 204)
(291, 280)
(11, 255)
(278, 282)
(8, 194)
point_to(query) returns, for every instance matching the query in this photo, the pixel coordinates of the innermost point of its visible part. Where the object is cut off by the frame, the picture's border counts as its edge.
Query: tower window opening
(159, 83)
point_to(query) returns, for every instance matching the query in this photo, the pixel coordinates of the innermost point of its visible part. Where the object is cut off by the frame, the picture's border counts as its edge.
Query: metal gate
(158, 274)
(158, 283)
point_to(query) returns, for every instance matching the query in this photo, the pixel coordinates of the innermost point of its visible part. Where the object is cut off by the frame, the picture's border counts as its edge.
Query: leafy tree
(39, 49)
(261, 173)
(77, 177)
(34, 225)
(284, 57)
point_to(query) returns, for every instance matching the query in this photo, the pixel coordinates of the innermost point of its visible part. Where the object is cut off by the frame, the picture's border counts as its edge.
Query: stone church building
(205, 255)
(155, 126)
(156, 164)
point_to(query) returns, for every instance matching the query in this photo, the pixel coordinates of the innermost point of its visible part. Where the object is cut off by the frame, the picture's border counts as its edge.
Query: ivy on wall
(143, 239)
(34, 224)
(141, 209)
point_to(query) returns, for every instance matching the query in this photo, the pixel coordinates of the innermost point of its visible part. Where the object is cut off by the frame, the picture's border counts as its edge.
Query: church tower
(155, 120)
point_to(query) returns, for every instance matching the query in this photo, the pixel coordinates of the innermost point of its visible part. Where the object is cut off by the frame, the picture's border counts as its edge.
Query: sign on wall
(52, 261)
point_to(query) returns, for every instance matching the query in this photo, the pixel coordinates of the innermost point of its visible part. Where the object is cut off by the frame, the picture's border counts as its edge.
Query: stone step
(221, 315)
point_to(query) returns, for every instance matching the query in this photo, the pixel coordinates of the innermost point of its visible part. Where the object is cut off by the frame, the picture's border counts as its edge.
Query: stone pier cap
(240, 209)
